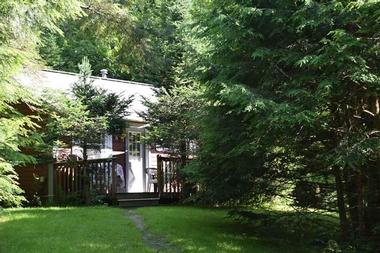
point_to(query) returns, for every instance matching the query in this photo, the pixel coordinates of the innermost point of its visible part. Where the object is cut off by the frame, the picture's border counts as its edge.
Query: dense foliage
(174, 120)
(292, 104)
(20, 26)
(134, 40)
(84, 116)
(99, 102)
(16, 131)
(270, 98)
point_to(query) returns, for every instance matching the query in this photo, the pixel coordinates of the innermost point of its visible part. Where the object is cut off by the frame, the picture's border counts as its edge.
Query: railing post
(51, 183)
(160, 176)
(114, 180)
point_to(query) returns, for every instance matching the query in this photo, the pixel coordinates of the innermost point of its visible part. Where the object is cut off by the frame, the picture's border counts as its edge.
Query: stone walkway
(158, 243)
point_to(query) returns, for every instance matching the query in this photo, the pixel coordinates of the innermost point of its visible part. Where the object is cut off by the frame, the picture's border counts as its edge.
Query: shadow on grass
(214, 230)
(311, 228)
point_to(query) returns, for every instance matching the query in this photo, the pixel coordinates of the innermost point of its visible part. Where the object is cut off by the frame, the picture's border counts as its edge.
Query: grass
(208, 230)
(106, 229)
(53, 230)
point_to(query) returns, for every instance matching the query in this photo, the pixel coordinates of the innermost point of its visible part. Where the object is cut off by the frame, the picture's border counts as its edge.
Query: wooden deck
(99, 177)
(169, 186)
(139, 199)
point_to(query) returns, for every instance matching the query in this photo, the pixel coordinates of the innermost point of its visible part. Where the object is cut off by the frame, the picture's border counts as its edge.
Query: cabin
(125, 169)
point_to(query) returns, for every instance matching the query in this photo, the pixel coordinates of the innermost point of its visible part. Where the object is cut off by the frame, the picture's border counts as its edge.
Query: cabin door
(135, 175)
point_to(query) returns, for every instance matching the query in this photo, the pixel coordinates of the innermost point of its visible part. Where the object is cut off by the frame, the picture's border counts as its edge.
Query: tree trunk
(341, 204)
(360, 204)
(372, 214)
(351, 191)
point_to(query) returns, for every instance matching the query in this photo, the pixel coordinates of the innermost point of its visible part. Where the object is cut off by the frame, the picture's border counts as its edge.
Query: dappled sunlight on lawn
(13, 214)
(228, 246)
(73, 229)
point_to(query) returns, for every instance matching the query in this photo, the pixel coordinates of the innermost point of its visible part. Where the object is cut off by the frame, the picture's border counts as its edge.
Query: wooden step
(138, 202)
(136, 195)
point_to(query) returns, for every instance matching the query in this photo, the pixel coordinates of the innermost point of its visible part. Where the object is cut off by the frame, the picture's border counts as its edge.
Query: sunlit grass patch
(69, 229)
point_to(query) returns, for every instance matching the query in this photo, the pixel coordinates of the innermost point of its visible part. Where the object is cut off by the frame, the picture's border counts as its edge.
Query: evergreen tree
(293, 98)
(99, 102)
(20, 26)
(291, 104)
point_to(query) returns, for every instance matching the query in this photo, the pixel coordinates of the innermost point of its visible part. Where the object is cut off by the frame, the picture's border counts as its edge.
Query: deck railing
(77, 177)
(168, 179)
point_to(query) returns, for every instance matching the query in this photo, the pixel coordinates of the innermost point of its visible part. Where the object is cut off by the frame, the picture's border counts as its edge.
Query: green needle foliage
(16, 131)
(84, 116)
(99, 102)
(286, 101)
(292, 105)
(293, 87)
(173, 119)
(20, 25)
(71, 123)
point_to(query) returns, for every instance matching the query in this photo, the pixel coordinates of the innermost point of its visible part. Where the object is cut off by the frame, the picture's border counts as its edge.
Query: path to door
(153, 241)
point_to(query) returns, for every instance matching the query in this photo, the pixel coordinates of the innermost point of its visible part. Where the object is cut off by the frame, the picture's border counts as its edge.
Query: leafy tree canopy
(134, 40)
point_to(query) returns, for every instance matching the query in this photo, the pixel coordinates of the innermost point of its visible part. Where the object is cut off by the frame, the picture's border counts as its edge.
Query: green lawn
(209, 230)
(85, 229)
(105, 229)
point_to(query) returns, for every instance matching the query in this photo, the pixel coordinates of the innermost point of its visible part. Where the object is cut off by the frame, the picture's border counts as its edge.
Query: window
(107, 141)
(134, 141)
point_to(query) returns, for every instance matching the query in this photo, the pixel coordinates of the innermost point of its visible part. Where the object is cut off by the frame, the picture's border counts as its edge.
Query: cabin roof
(63, 81)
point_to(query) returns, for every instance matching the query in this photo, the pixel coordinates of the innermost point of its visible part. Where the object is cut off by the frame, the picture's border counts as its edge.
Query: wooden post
(114, 181)
(51, 183)
(160, 176)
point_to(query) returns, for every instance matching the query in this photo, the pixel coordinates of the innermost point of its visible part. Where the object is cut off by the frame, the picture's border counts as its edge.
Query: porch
(99, 179)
